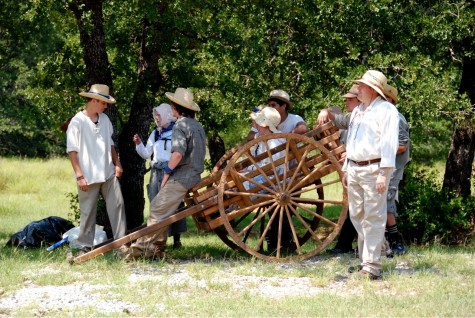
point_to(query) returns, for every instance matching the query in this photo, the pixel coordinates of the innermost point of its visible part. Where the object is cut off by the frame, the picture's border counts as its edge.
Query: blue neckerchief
(164, 130)
(170, 127)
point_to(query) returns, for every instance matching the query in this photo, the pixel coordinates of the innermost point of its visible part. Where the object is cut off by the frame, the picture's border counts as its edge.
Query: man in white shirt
(371, 146)
(96, 166)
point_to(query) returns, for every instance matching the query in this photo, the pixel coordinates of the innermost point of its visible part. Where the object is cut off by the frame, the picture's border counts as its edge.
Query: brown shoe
(134, 253)
(365, 274)
(121, 252)
(155, 254)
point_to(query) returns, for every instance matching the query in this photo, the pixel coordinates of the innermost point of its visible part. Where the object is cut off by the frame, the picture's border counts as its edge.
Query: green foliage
(426, 213)
(74, 215)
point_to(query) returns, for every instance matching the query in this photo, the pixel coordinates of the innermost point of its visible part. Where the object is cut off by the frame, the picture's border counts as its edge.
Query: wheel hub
(283, 198)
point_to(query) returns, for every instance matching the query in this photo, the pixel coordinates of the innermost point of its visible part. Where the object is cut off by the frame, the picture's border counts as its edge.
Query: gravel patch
(57, 298)
(77, 296)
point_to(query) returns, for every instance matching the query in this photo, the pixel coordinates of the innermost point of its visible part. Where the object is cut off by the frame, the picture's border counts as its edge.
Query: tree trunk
(458, 169)
(216, 148)
(148, 82)
(89, 19)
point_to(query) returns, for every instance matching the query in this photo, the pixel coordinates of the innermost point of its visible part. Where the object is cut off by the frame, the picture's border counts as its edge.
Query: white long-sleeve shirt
(373, 133)
(161, 148)
(93, 144)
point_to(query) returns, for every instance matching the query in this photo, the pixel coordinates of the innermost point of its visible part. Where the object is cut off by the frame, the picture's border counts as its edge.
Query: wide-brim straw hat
(267, 117)
(374, 79)
(280, 95)
(391, 92)
(353, 92)
(100, 92)
(183, 97)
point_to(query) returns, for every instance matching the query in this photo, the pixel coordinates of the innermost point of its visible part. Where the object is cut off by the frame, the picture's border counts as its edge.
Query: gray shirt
(402, 158)
(342, 121)
(189, 139)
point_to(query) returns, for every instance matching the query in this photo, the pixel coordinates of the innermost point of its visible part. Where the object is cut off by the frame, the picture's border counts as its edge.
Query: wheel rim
(283, 209)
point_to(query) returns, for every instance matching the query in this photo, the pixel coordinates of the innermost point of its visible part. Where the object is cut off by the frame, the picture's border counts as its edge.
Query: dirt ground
(48, 299)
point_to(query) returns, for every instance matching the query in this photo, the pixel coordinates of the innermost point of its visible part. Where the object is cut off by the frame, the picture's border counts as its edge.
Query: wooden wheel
(277, 210)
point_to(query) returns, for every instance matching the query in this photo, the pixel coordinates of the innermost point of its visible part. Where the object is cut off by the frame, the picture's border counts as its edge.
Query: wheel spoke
(264, 233)
(248, 209)
(258, 217)
(276, 174)
(314, 201)
(313, 175)
(309, 229)
(258, 168)
(294, 232)
(249, 194)
(315, 187)
(321, 217)
(299, 167)
(286, 166)
(279, 232)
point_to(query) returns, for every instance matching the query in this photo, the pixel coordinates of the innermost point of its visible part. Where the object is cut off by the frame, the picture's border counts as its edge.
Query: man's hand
(324, 117)
(166, 176)
(345, 180)
(82, 184)
(118, 171)
(381, 183)
(342, 158)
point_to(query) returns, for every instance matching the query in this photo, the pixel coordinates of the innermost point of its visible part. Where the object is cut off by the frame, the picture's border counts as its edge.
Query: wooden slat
(140, 233)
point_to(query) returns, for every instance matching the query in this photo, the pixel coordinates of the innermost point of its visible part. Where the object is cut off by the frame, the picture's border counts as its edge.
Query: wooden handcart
(292, 215)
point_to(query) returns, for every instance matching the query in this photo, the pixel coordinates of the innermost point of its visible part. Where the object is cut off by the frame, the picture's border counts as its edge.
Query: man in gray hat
(342, 121)
(182, 173)
(96, 166)
(289, 123)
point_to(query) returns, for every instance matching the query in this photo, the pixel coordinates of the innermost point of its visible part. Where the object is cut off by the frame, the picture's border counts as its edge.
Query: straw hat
(280, 95)
(391, 92)
(353, 92)
(374, 79)
(100, 92)
(267, 117)
(183, 97)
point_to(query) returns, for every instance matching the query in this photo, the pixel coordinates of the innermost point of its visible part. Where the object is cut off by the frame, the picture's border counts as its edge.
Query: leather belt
(365, 162)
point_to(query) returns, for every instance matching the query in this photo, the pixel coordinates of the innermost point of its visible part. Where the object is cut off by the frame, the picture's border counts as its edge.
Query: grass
(206, 278)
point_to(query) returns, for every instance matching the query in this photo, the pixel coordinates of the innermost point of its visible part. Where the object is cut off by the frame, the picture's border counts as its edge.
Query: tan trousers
(88, 205)
(162, 206)
(368, 213)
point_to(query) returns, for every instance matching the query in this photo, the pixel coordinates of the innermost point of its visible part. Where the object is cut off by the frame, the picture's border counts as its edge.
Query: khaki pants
(368, 213)
(88, 205)
(162, 206)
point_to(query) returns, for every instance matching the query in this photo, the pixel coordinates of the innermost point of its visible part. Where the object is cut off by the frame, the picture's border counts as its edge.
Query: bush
(427, 213)
(101, 219)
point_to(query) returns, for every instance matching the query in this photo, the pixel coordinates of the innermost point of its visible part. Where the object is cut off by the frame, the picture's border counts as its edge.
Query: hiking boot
(354, 269)
(121, 252)
(155, 254)
(73, 253)
(177, 245)
(134, 253)
(398, 248)
(365, 274)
